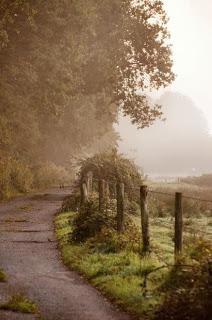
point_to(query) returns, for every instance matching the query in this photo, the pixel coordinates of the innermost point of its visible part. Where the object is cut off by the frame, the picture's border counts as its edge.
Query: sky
(190, 26)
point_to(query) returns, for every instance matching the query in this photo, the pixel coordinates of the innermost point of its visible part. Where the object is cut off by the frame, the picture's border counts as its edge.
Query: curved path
(29, 255)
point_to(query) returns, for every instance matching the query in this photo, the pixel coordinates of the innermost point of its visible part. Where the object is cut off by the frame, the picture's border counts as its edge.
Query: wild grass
(120, 275)
(19, 303)
(142, 285)
(3, 276)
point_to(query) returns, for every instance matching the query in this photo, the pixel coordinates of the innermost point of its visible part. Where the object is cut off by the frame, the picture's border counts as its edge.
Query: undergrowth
(3, 276)
(142, 285)
(19, 303)
(113, 264)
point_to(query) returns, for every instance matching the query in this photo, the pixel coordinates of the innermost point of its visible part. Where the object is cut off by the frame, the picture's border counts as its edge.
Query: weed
(3, 276)
(19, 303)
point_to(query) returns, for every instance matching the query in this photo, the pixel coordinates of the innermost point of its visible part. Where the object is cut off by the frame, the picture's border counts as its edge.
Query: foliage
(48, 174)
(89, 221)
(169, 292)
(3, 276)
(114, 167)
(19, 303)
(68, 67)
(113, 264)
(16, 176)
(109, 241)
(189, 288)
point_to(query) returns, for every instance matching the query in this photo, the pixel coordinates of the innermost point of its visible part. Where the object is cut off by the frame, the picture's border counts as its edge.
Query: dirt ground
(29, 256)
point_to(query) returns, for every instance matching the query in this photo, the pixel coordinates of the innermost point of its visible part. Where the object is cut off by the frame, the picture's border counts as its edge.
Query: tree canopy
(68, 67)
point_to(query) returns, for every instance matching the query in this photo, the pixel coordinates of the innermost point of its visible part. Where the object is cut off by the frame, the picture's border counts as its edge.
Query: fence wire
(197, 217)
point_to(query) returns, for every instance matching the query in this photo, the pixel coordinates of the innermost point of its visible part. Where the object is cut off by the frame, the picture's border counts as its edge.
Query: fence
(175, 222)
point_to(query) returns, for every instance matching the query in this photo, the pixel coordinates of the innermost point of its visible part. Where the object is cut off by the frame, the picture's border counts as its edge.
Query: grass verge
(125, 277)
(144, 286)
(3, 276)
(21, 304)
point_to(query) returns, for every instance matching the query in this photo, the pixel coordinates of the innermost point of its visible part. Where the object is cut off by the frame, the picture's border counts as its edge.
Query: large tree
(67, 67)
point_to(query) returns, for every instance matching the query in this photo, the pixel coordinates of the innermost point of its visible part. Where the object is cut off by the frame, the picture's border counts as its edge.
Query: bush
(15, 177)
(21, 176)
(109, 241)
(99, 228)
(189, 287)
(71, 203)
(49, 174)
(89, 221)
(113, 167)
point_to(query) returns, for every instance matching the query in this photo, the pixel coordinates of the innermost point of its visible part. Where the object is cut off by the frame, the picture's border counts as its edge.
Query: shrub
(71, 203)
(109, 241)
(21, 176)
(113, 167)
(89, 221)
(99, 228)
(49, 174)
(15, 177)
(189, 287)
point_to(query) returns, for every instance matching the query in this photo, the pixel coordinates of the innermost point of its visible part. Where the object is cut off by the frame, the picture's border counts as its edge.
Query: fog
(181, 145)
(178, 146)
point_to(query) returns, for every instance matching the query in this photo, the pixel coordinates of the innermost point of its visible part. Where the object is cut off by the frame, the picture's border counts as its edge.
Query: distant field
(162, 233)
(197, 216)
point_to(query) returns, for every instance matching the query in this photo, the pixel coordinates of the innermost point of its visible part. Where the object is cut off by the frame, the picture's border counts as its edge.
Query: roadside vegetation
(148, 285)
(3, 276)
(19, 303)
(17, 177)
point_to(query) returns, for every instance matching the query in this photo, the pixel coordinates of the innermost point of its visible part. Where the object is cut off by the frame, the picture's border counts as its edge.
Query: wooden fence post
(144, 218)
(178, 238)
(84, 192)
(107, 194)
(120, 206)
(89, 182)
(107, 191)
(101, 195)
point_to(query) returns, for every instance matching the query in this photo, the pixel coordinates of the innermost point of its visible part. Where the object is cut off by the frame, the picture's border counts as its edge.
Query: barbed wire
(197, 199)
(161, 192)
(137, 188)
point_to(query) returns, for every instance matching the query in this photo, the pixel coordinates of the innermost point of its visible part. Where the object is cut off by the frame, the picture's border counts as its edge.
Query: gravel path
(29, 255)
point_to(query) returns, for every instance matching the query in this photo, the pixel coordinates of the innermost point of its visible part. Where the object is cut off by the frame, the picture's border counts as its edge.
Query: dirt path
(29, 255)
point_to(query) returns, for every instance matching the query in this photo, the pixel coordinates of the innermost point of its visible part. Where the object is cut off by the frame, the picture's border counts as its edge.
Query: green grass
(19, 303)
(3, 276)
(120, 275)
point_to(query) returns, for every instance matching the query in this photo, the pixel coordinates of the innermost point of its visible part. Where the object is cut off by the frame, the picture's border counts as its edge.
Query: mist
(179, 145)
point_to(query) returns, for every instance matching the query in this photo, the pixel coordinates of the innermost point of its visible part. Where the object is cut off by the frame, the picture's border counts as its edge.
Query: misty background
(182, 144)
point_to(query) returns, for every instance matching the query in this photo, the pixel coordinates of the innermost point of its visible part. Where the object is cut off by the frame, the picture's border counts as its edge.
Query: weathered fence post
(107, 191)
(178, 238)
(144, 218)
(107, 194)
(84, 192)
(101, 195)
(120, 206)
(90, 182)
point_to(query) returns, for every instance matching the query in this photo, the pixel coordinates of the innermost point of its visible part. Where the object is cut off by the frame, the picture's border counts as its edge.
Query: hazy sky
(191, 35)
(190, 26)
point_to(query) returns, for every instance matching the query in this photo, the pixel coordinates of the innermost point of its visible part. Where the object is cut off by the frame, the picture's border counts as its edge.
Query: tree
(67, 67)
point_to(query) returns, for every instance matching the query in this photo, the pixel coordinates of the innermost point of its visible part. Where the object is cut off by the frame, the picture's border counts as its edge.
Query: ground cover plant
(143, 285)
(3, 276)
(19, 303)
